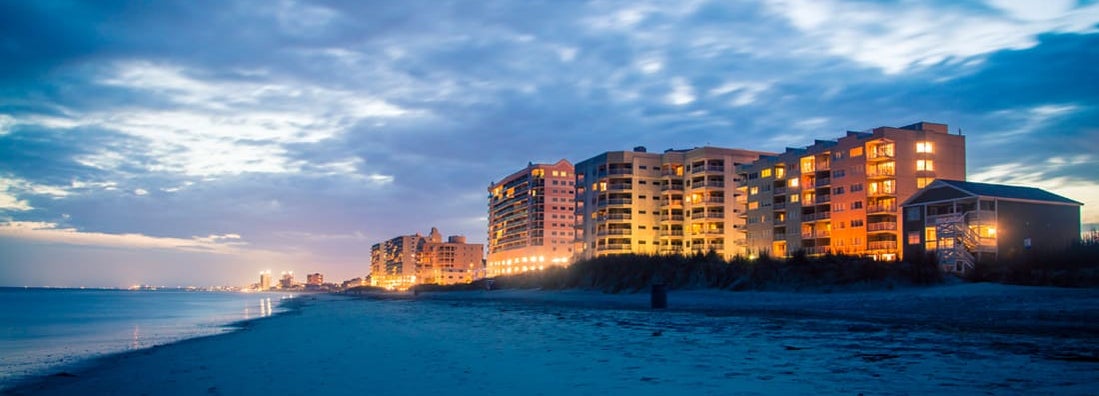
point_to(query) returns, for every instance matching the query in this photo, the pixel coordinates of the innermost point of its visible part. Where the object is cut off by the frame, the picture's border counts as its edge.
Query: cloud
(54, 233)
(888, 37)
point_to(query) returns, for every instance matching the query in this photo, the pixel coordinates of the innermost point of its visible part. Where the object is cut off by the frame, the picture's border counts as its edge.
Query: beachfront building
(287, 281)
(531, 220)
(409, 260)
(962, 223)
(676, 202)
(265, 280)
(843, 195)
(315, 279)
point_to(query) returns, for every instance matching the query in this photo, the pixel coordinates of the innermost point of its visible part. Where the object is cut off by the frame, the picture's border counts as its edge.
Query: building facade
(265, 280)
(531, 220)
(843, 196)
(961, 223)
(676, 202)
(315, 279)
(409, 260)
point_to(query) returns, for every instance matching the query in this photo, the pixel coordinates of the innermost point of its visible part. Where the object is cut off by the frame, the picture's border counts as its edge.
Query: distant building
(844, 195)
(408, 260)
(287, 280)
(265, 280)
(353, 282)
(531, 220)
(965, 222)
(315, 279)
(676, 202)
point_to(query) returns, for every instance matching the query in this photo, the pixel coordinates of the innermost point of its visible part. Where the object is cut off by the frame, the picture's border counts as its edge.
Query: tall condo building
(843, 196)
(409, 260)
(677, 202)
(531, 219)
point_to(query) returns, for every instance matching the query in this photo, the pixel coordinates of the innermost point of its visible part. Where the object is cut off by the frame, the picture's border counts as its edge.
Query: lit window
(925, 165)
(753, 190)
(922, 182)
(923, 147)
(914, 238)
(753, 205)
(793, 183)
(856, 152)
(765, 173)
(795, 198)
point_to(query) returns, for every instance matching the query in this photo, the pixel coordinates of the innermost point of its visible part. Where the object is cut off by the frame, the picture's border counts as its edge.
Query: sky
(199, 142)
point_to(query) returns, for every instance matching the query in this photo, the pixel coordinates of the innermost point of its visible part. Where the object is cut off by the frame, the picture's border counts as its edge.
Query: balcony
(672, 217)
(709, 184)
(779, 206)
(823, 182)
(614, 247)
(818, 250)
(620, 171)
(872, 209)
(671, 187)
(882, 245)
(879, 154)
(780, 236)
(817, 216)
(614, 231)
(616, 202)
(708, 168)
(715, 215)
(780, 190)
(671, 233)
(717, 231)
(616, 216)
(698, 215)
(713, 200)
(881, 192)
(884, 173)
(620, 186)
(886, 226)
(672, 202)
(823, 199)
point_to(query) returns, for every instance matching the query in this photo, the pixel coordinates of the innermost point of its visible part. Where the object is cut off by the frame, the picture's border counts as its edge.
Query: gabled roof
(987, 190)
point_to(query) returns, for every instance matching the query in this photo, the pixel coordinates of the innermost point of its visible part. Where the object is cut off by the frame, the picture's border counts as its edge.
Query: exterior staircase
(956, 243)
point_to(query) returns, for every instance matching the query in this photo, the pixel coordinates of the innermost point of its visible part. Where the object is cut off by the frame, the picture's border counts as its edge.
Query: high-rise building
(531, 219)
(677, 202)
(265, 280)
(287, 280)
(843, 196)
(408, 260)
(314, 279)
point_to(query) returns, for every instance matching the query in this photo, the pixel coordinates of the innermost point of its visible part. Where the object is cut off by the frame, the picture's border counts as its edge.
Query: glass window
(925, 165)
(923, 147)
(913, 214)
(914, 238)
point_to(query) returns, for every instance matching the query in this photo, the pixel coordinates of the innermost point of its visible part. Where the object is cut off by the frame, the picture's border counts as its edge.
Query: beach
(961, 339)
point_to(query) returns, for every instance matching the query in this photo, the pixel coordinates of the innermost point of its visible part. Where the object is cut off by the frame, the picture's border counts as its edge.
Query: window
(765, 173)
(912, 214)
(925, 165)
(838, 173)
(838, 207)
(914, 238)
(795, 198)
(808, 164)
(753, 205)
(856, 187)
(856, 152)
(856, 223)
(922, 182)
(838, 190)
(856, 205)
(923, 147)
(792, 183)
(753, 190)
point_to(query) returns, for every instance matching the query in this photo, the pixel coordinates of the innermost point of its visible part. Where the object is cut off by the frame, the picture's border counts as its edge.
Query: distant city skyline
(198, 143)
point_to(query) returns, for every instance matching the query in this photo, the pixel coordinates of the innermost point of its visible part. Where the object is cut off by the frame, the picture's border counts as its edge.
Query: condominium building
(409, 260)
(842, 196)
(531, 219)
(676, 202)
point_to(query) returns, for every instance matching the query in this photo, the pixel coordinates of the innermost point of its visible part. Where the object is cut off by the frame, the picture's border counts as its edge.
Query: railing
(614, 246)
(713, 200)
(715, 215)
(620, 186)
(616, 216)
(882, 245)
(779, 206)
(698, 215)
(881, 209)
(779, 236)
(717, 231)
(780, 190)
(614, 231)
(620, 171)
(672, 217)
(616, 201)
(815, 250)
(879, 153)
(882, 226)
(708, 184)
(816, 216)
(823, 198)
(671, 232)
(887, 172)
(823, 182)
(672, 202)
(673, 187)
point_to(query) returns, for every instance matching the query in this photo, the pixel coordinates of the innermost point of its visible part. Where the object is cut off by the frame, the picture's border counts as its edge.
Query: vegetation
(631, 273)
(1077, 266)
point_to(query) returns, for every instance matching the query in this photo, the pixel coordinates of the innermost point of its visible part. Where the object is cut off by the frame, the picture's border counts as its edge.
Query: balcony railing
(881, 209)
(698, 215)
(823, 198)
(671, 187)
(779, 206)
(882, 226)
(879, 154)
(715, 215)
(672, 202)
(616, 216)
(886, 172)
(816, 216)
(779, 236)
(614, 231)
(780, 190)
(815, 250)
(671, 232)
(824, 181)
(882, 245)
(620, 171)
(616, 201)
(713, 200)
(620, 186)
(672, 217)
(614, 246)
(715, 184)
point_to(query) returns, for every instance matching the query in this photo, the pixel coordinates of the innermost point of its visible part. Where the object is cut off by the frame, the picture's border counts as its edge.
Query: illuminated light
(541, 259)
(991, 231)
(541, 267)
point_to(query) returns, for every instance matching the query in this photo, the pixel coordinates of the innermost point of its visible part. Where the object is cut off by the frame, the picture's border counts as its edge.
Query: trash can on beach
(659, 296)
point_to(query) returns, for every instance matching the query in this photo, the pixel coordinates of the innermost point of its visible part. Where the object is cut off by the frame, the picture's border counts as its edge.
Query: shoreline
(67, 371)
(606, 342)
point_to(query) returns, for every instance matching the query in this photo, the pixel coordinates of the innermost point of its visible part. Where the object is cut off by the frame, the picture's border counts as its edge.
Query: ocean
(44, 330)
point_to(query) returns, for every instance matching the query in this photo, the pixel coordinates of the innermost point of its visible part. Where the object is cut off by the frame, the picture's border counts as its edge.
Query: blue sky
(199, 142)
